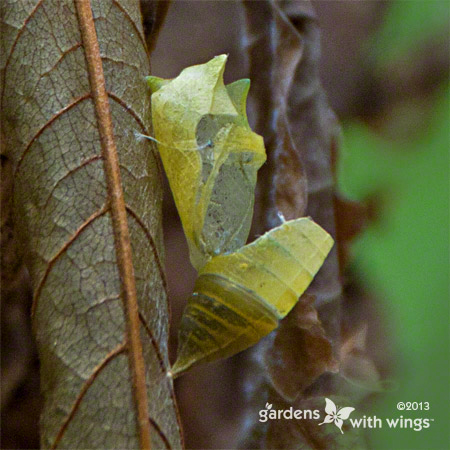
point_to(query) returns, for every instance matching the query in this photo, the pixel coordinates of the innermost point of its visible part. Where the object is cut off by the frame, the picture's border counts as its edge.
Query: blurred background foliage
(403, 256)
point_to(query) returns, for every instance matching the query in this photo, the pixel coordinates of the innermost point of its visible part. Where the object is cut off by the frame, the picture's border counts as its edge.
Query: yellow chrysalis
(211, 158)
(240, 297)
(210, 155)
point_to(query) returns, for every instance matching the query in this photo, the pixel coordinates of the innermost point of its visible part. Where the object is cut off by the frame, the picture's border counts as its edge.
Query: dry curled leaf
(87, 204)
(273, 76)
(299, 127)
(288, 32)
(299, 351)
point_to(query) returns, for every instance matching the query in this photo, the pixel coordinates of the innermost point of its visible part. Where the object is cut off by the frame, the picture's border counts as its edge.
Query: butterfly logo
(336, 415)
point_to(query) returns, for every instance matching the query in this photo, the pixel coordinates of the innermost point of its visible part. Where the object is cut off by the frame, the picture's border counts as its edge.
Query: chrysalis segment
(279, 265)
(239, 297)
(210, 155)
(220, 320)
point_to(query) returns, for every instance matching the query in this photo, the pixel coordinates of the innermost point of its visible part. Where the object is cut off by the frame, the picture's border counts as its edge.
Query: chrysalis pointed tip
(223, 57)
(217, 64)
(243, 82)
(238, 92)
(176, 370)
(239, 89)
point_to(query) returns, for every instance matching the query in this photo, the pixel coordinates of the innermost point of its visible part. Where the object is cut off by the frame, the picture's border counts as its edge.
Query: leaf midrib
(117, 207)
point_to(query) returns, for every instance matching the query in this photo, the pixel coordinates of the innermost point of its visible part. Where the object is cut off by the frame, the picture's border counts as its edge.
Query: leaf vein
(60, 252)
(154, 343)
(144, 129)
(118, 214)
(69, 173)
(19, 34)
(46, 125)
(88, 383)
(152, 245)
(133, 24)
(63, 54)
(161, 434)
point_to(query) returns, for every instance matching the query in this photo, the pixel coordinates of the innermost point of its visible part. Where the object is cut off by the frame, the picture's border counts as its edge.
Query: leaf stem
(119, 215)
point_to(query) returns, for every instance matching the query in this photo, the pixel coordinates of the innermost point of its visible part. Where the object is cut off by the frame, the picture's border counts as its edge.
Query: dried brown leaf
(299, 128)
(283, 43)
(87, 201)
(153, 13)
(357, 366)
(273, 61)
(300, 352)
(351, 218)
